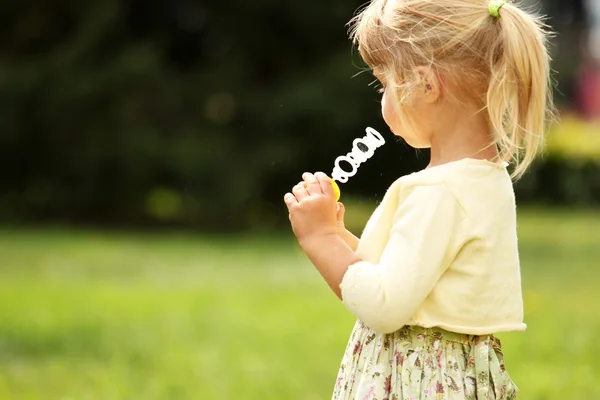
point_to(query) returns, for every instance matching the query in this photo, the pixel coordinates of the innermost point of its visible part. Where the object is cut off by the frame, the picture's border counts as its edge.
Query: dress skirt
(416, 363)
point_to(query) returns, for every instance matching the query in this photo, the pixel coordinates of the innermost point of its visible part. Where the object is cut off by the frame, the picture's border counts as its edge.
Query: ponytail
(519, 96)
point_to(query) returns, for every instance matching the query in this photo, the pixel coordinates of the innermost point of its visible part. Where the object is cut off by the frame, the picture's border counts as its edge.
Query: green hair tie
(495, 7)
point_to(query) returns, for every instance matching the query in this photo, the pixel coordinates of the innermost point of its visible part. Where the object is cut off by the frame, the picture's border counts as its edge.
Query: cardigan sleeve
(425, 237)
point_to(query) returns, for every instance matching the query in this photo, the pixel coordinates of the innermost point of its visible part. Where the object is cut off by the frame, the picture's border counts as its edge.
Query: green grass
(91, 315)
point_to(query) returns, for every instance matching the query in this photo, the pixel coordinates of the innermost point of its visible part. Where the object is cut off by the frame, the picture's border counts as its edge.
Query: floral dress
(416, 363)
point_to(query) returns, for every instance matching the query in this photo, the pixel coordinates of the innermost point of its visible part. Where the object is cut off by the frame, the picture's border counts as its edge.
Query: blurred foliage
(575, 140)
(568, 173)
(180, 112)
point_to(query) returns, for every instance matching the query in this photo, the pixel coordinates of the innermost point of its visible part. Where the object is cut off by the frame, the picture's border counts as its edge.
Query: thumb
(340, 211)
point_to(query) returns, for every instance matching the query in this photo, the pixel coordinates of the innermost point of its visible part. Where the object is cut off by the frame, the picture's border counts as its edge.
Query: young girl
(436, 272)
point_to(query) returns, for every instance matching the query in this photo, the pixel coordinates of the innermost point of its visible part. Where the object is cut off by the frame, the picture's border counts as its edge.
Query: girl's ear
(428, 83)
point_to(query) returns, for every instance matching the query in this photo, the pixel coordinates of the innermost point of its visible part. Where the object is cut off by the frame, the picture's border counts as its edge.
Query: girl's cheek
(387, 111)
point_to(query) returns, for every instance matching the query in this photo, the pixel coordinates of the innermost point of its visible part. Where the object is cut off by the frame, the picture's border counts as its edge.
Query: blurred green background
(144, 249)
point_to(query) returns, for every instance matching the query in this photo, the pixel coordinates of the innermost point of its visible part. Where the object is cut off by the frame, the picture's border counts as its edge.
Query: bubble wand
(362, 149)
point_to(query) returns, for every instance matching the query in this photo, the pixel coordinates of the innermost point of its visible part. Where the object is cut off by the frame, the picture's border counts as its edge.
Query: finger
(312, 185)
(289, 199)
(300, 191)
(325, 184)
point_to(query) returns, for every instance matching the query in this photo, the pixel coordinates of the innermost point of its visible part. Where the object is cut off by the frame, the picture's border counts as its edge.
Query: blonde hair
(502, 63)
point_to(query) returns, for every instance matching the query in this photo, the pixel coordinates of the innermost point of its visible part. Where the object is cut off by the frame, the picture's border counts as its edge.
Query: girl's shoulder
(463, 168)
(464, 172)
(469, 180)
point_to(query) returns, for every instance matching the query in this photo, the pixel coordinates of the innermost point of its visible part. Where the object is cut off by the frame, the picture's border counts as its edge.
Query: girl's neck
(462, 137)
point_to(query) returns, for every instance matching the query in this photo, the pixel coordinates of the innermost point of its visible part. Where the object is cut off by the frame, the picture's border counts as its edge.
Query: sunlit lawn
(89, 315)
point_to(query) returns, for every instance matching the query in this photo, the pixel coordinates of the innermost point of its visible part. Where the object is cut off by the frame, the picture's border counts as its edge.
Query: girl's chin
(415, 143)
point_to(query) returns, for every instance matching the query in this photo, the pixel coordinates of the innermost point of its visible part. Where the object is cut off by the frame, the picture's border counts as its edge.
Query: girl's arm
(318, 223)
(331, 255)
(427, 232)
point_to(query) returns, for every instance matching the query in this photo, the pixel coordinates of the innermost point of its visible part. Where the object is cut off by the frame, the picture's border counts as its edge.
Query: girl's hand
(313, 210)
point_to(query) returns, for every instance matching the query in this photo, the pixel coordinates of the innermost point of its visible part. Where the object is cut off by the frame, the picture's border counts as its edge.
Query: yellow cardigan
(441, 250)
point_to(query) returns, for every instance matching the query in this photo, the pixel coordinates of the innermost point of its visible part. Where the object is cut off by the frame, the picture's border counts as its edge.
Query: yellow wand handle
(336, 189)
(362, 150)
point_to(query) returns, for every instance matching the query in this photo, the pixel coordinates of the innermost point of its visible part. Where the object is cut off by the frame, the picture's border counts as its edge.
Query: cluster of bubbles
(362, 149)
